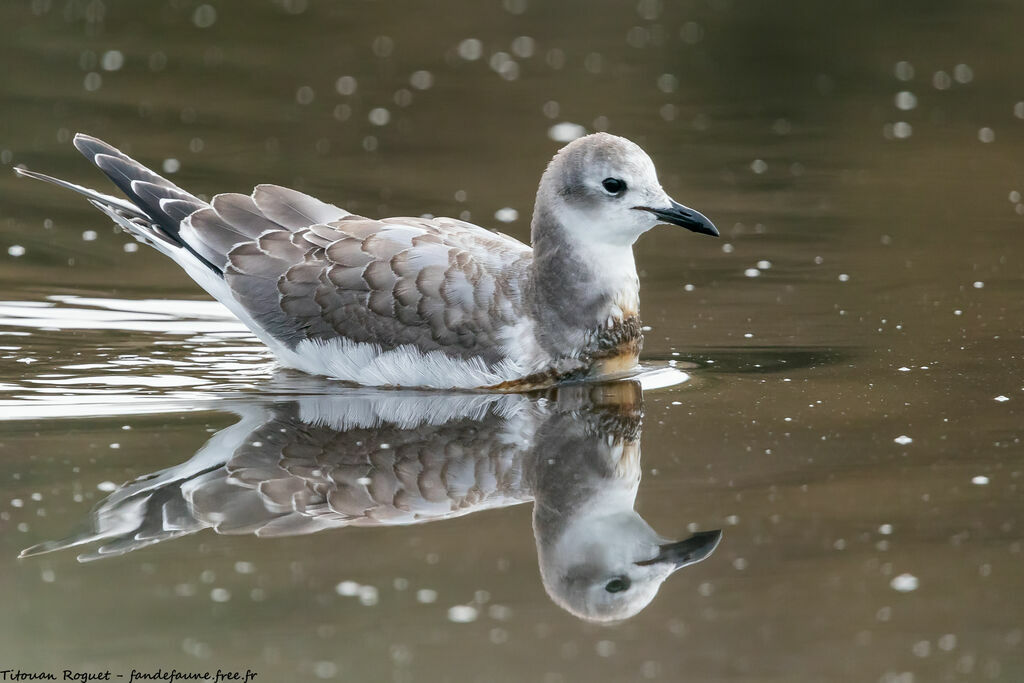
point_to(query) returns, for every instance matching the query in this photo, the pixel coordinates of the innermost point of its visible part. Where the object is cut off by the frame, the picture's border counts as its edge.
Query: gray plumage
(414, 301)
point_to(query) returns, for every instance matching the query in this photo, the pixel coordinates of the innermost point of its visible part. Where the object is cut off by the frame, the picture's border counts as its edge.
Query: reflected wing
(364, 459)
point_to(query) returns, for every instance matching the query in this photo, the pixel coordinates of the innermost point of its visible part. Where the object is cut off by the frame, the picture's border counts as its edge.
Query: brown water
(853, 423)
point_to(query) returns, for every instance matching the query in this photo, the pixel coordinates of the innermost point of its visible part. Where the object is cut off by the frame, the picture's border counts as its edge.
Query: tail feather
(114, 202)
(163, 201)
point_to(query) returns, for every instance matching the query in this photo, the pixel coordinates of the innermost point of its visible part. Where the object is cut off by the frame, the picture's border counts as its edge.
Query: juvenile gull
(418, 302)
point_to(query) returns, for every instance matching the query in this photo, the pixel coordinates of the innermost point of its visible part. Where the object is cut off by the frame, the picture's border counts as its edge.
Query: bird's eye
(613, 185)
(617, 585)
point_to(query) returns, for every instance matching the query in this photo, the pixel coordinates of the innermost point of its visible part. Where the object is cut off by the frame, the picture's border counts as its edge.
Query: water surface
(852, 419)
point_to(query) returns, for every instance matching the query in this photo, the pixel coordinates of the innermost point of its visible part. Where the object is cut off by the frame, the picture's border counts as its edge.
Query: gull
(418, 302)
(373, 458)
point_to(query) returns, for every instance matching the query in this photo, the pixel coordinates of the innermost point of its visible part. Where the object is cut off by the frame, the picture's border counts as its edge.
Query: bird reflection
(377, 458)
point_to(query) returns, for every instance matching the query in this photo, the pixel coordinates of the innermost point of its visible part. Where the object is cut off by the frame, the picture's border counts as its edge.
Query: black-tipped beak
(677, 214)
(683, 553)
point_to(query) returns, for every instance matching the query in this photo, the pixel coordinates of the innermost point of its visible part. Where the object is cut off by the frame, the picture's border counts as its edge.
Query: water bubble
(1018, 110)
(131, 247)
(566, 132)
(1001, 398)
(89, 235)
(383, 46)
(16, 250)
(421, 80)
(963, 73)
(506, 215)
(369, 595)
(325, 669)
(904, 583)
(903, 440)
(171, 165)
(204, 16)
(112, 60)
(92, 81)
(903, 71)
(667, 83)
(294, 6)
(752, 272)
(403, 97)
(905, 100)
(347, 588)
(462, 614)
(764, 265)
(843, 277)
(555, 58)
(941, 80)
(593, 62)
(1014, 196)
(885, 529)
(471, 49)
(426, 595)
(758, 166)
(902, 130)
(524, 46)
(986, 135)
(514, 6)
(637, 36)
(379, 116)
(551, 109)
(980, 480)
(978, 284)
(649, 9)
(345, 85)
(220, 595)
(691, 33)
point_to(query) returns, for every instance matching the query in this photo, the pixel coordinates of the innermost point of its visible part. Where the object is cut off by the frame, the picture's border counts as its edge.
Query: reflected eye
(617, 585)
(613, 185)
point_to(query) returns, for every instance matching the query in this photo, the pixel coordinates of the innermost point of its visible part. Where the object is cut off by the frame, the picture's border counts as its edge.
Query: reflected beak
(683, 553)
(677, 214)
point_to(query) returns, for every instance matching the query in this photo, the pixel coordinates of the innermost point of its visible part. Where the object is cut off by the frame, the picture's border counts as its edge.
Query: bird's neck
(584, 294)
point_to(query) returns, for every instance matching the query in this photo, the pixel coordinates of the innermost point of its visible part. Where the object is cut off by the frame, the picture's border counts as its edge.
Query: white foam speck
(904, 583)
(903, 439)
(980, 480)
(566, 132)
(506, 215)
(1001, 398)
(462, 614)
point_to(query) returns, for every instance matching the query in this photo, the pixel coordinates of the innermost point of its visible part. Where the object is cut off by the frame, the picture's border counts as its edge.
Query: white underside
(404, 366)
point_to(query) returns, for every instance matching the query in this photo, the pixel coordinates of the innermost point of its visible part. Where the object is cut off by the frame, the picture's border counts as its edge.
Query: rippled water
(851, 348)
